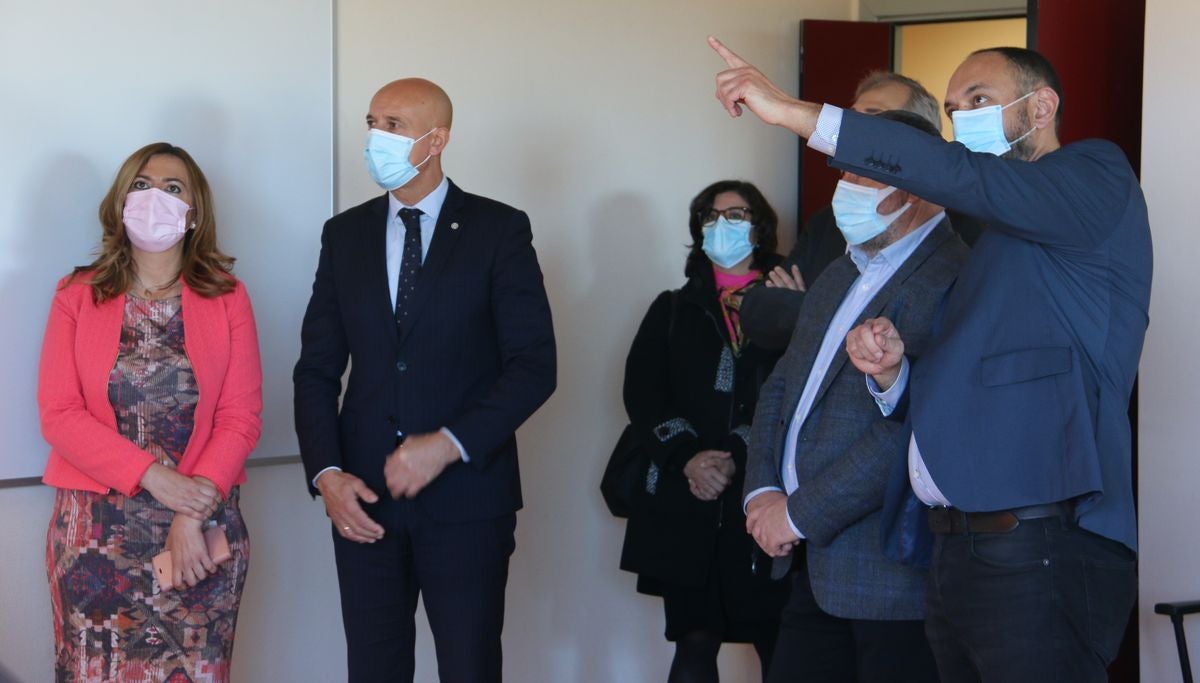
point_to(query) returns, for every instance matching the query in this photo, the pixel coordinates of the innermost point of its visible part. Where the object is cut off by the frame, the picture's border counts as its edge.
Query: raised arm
(743, 85)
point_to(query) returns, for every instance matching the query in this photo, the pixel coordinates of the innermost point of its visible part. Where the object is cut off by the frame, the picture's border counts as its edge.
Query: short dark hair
(1032, 71)
(915, 120)
(762, 218)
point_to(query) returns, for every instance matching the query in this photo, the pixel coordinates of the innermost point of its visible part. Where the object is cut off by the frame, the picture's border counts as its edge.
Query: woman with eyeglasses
(691, 383)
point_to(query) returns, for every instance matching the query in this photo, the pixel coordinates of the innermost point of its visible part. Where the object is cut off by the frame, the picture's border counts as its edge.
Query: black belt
(944, 520)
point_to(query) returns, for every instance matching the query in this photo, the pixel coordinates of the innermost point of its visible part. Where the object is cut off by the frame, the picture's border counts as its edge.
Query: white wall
(84, 84)
(599, 120)
(1169, 433)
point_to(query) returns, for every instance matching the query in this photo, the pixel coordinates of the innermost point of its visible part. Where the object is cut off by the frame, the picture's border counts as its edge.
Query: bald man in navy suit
(435, 298)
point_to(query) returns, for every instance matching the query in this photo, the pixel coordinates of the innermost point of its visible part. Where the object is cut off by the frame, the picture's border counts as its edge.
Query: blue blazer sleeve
(1077, 190)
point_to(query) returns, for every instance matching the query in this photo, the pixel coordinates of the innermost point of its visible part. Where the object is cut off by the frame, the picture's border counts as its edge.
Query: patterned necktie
(410, 261)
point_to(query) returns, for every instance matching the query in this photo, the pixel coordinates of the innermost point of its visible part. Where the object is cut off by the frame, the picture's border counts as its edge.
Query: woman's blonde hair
(204, 269)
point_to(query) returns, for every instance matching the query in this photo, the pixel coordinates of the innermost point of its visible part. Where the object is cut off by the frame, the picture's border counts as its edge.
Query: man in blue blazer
(1020, 436)
(436, 299)
(820, 451)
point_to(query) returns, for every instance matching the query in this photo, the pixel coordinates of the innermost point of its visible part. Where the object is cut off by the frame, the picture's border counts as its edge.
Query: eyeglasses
(733, 214)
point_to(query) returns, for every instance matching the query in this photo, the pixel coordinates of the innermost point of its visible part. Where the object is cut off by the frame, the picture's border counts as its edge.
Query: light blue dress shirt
(824, 140)
(431, 207)
(874, 273)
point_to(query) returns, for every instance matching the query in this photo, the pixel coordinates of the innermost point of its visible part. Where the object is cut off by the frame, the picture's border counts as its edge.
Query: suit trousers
(1047, 601)
(817, 647)
(459, 570)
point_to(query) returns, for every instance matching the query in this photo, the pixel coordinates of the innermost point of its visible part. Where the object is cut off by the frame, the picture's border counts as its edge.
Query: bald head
(417, 104)
(418, 109)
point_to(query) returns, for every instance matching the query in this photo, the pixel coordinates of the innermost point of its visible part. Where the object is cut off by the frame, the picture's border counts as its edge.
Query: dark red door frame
(841, 52)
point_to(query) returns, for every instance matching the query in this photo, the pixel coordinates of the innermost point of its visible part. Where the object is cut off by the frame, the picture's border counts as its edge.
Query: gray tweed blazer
(846, 447)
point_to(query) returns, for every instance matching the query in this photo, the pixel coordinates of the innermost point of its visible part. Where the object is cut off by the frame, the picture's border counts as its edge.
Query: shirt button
(401, 366)
(916, 474)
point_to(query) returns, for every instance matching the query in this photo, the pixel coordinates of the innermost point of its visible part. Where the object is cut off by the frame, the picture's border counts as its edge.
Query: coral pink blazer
(80, 350)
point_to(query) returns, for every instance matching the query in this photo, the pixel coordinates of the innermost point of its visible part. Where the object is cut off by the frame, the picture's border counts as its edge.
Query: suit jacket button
(401, 366)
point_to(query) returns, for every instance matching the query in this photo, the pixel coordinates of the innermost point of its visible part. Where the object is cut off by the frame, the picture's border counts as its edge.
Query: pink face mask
(154, 220)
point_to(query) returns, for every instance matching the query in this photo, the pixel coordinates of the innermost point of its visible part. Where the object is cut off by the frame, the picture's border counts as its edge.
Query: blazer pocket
(1025, 365)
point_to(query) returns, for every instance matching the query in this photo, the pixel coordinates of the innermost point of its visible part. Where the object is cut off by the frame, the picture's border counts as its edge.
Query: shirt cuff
(829, 125)
(887, 400)
(755, 492)
(335, 468)
(796, 531)
(457, 444)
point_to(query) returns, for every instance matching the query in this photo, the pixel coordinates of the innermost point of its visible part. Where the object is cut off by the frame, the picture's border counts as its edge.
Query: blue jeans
(1047, 601)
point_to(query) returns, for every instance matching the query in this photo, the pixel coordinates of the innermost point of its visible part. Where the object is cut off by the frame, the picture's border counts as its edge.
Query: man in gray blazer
(820, 451)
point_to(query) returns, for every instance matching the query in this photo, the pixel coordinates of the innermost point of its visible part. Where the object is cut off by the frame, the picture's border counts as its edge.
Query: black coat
(686, 392)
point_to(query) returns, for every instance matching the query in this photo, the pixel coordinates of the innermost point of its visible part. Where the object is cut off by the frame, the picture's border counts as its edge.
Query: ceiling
(932, 10)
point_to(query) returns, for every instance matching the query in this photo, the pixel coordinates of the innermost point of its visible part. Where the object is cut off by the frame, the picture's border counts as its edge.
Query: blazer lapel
(875, 306)
(374, 264)
(817, 312)
(198, 326)
(102, 326)
(445, 237)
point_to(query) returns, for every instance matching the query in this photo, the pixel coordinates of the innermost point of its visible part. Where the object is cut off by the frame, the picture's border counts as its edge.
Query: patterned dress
(111, 620)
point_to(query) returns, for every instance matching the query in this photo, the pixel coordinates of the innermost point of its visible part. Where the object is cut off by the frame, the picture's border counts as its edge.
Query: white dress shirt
(918, 473)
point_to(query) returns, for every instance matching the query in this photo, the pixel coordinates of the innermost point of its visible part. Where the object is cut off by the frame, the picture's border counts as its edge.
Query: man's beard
(881, 241)
(1022, 150)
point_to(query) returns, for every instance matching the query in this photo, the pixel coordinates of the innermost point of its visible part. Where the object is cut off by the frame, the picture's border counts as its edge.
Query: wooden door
(1096, 47)
(834, 56)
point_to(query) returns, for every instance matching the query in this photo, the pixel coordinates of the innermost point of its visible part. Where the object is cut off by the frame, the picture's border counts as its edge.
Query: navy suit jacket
(477, 356)
(1022, 399)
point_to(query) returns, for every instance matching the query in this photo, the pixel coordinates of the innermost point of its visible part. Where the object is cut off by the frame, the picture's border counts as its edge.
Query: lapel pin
(454, 226)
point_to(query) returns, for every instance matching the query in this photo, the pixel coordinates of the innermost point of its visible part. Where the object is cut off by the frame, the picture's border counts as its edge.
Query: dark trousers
(814, 646)
(1047, 601)
(460, 571)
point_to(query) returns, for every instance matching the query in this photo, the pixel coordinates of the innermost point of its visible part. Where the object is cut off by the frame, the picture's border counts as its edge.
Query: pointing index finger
(731, 58)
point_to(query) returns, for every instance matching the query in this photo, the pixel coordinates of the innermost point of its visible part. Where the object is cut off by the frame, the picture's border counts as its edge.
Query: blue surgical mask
(855, 211)
(387, 158)
(727, 243)
(982, 129)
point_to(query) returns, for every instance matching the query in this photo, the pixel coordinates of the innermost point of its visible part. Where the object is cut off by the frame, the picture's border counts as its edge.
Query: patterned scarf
(729, 295)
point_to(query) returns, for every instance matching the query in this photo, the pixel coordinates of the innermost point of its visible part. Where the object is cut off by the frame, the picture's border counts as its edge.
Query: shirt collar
(430, 204)
(896, 253)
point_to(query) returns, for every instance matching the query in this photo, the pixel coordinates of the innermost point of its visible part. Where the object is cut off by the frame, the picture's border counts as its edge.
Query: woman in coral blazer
(150, 391)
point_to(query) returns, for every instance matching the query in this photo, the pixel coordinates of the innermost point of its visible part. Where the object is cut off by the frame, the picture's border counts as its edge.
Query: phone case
(218, 550)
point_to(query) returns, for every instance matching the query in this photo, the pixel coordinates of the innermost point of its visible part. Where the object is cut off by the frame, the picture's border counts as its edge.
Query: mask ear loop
(1028, 132)
(427, 156)
(891, 217)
